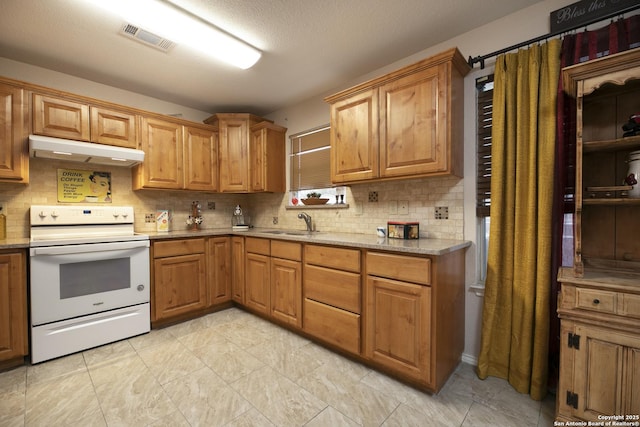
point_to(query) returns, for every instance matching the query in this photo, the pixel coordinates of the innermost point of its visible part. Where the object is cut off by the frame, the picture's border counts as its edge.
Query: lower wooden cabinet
(398, 328)
(237, 269)
(286, 282)
(332, 296)
(219, 270)
(273, 279)
(414, 310)
(600, 346)
(179, 278)
(13, 308)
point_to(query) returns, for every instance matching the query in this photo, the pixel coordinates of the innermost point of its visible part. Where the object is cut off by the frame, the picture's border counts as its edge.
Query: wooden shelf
(612, 202)
(618, 144)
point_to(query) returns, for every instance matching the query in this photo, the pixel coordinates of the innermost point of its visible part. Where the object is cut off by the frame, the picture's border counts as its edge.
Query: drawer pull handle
(596, 301)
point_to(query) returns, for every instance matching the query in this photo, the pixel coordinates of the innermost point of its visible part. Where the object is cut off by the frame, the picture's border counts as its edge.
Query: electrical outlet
(275, 220)
(211, 205)
(393, 207)
(403, 207)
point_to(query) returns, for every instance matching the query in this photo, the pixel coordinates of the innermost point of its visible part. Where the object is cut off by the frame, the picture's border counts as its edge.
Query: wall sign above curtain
(586, 11)
(82, 186)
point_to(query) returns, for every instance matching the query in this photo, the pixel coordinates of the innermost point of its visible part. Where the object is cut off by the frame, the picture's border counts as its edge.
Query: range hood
(85, 152)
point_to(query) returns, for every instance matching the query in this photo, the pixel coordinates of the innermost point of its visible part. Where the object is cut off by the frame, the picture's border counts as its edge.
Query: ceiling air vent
(146, 37)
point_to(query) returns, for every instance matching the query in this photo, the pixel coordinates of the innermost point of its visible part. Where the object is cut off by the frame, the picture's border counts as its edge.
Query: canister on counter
(163, 220)
(403, 230)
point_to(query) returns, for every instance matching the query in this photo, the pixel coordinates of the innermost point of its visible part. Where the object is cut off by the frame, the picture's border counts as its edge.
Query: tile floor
(234, 369)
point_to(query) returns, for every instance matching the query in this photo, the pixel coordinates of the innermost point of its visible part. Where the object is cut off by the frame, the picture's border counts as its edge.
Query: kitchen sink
(289, 233)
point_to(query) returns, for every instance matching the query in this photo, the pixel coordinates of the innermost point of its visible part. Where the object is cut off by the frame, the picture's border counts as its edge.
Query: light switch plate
(393, 207)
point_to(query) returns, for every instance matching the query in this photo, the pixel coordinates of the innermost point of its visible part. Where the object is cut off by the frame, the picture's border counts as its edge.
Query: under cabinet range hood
(85, 152)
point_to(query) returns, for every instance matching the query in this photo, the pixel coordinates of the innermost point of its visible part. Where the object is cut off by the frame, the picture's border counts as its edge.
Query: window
(484, 96)
(310, 167)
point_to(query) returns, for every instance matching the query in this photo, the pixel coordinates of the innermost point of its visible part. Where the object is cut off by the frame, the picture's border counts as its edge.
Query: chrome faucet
(307, 220)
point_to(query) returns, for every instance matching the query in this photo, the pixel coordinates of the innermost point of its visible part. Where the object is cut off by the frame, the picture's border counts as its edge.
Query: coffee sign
(586, 12)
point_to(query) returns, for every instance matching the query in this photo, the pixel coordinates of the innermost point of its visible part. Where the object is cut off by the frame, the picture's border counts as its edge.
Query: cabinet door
(237, 269)
(286, 291)
(201, 159)
(257, 284)
(219, 270)
(233, 155)
(162, 143)
(398, 326)
(604, 371)
(13, 306)
(267, 154)
(113, 128)
(354, 138)
(180, 285)
(413, 131)
(14, 153)
(60, 118)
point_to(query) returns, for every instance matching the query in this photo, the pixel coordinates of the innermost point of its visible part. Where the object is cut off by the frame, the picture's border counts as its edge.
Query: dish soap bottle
(3, 225)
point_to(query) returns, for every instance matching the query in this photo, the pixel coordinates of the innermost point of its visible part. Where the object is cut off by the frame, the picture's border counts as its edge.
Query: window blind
(310, 162)
(484, 92)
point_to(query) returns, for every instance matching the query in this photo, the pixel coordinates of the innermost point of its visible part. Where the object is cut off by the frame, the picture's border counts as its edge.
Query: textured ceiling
(309, 46)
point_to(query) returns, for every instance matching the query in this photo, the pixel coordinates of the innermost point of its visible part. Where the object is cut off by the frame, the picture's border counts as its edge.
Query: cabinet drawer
(338, 327)
(255, 245)
(334, 287)
(286, 250)
(177, 247)
(629, 305)
(327, 256)
(595, 299)
(408, 269)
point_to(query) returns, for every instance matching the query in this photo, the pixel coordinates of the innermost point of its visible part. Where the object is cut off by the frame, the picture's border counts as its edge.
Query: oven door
(76, 280)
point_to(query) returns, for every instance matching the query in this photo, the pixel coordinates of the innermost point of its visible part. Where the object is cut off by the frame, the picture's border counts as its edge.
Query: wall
(362, 217)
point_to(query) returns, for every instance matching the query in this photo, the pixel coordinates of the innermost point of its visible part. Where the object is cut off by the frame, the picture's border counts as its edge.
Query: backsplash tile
(362, 216)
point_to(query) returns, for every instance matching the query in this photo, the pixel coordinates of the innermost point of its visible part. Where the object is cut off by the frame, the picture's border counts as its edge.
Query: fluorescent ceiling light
(167, 20)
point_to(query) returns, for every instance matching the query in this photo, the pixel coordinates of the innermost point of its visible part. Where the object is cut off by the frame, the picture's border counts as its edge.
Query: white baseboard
(471, 360)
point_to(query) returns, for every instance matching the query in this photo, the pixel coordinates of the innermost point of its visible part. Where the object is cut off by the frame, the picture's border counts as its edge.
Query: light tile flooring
(234, 369)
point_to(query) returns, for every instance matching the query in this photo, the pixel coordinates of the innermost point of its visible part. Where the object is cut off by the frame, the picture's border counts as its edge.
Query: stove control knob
(43, 214)
(124, 214)
(116, 214)
(54, 214)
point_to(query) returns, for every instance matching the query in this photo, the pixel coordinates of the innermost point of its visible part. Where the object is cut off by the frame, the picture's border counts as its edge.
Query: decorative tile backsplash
(362, 216)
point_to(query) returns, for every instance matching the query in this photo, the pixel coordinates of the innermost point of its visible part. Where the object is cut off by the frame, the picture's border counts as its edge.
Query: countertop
(419, 246)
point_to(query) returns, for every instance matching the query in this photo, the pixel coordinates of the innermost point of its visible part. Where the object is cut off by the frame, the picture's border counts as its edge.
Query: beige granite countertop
(420, 246)
(14, 243)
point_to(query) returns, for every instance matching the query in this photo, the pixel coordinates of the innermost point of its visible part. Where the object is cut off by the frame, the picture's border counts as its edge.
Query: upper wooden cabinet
(267, 149)
(200, 159)
(402, 125)
(251, 153)
(176, 156)
(162, 144)
(14, 151)
(66, 118)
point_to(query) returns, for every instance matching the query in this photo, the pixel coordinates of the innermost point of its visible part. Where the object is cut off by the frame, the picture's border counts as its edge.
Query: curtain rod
(480, 59)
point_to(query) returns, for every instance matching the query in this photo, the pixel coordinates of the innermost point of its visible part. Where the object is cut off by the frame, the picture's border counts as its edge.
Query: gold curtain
(515, 319)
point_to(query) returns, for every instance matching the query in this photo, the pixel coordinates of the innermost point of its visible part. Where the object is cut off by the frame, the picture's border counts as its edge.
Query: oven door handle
(97, 247)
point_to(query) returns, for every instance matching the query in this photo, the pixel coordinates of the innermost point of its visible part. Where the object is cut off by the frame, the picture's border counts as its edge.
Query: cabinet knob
(596, 301)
